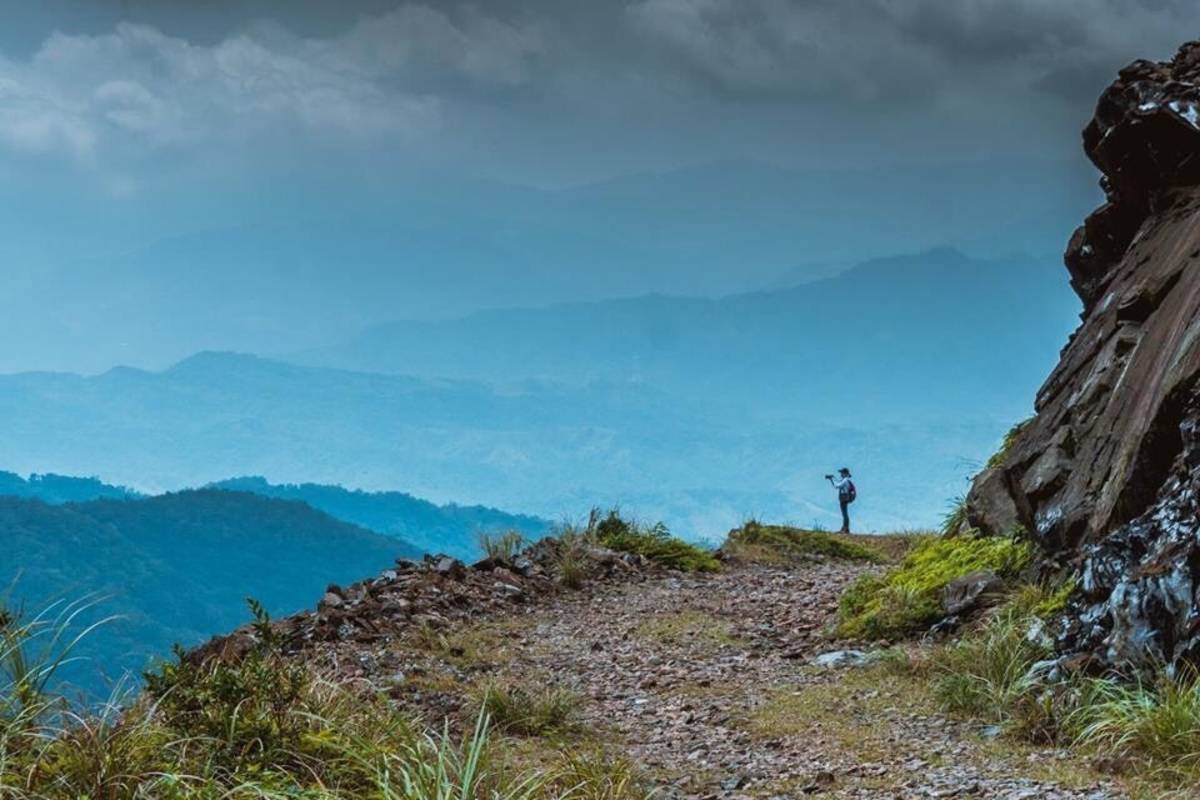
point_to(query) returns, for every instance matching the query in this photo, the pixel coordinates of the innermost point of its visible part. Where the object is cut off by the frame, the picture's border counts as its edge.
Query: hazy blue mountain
(548, 449)
(51, 488)
(864, 347)
(178, 567)
(430, 528)
(696, 411)
(284, 277)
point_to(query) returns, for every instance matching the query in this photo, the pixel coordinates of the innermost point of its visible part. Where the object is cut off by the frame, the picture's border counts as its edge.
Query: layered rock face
(1104, 477)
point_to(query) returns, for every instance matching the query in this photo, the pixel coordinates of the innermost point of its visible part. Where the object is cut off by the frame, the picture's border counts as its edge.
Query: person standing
(847, 494)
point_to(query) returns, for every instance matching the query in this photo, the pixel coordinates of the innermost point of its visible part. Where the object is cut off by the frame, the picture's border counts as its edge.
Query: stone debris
(670, 668)
(430, 593)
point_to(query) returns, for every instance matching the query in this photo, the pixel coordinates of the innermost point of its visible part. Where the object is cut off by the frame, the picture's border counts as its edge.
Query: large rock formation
(1104, 477)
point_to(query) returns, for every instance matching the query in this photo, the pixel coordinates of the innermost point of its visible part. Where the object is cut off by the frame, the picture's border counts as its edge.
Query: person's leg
(845, 514)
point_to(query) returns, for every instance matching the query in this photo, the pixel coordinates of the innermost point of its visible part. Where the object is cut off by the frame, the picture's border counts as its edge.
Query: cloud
(525, 89)
(136, 86)
(882, 49)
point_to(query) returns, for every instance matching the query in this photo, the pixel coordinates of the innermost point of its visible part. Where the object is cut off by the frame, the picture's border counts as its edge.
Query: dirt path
(708, 684)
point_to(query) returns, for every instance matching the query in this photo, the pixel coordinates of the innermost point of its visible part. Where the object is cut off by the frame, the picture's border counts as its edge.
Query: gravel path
(708, 682)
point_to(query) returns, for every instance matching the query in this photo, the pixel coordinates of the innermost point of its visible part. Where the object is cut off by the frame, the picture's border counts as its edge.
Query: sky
(554, 92)
(447, 156)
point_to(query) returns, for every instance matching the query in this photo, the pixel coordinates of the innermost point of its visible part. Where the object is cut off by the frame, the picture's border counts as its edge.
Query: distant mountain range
(176, 568)
(438, 247)
(698, 412)
(886, 342)
(450, 529)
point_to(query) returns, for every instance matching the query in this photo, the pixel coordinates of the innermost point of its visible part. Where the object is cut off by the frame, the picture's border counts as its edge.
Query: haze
(351, 185)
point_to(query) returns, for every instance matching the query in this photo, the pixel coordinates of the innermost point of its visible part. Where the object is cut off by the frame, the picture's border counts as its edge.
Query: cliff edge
(1104, 476)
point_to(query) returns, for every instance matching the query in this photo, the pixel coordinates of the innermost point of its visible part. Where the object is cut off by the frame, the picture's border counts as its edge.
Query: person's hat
(844, 471)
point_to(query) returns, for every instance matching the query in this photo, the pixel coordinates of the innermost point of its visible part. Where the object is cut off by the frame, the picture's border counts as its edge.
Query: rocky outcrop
(1105, 476)
(431, 594)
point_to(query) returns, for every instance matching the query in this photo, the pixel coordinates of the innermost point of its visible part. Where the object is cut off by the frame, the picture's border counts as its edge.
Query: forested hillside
(53, 488)
(176, 568)
(451, 529)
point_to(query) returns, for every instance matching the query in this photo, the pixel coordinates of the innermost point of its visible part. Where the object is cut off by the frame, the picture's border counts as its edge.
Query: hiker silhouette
(847, 494)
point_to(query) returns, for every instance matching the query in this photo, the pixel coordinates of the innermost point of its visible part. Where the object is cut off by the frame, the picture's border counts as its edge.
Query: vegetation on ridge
(781, 544)
(262, 727)
(163, 564)
(654, 542)
(908, 598)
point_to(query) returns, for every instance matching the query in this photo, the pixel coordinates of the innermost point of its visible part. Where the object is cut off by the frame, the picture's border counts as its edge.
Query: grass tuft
(517, 710)
(502, 547)
(654, 543)
(955, 518)
(989, 674)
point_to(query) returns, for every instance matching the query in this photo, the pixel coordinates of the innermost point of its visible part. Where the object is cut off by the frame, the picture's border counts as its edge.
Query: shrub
(502, 547)
(247, 706)
(908, 598)
(540, 712)
(781, 544)
(654, 543)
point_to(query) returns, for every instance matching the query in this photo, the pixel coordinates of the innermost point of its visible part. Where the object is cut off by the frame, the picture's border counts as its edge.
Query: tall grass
(501, 547)
(1153, 722)
(260, 727)
(1149, 727)
(990, 674)
(955, 518)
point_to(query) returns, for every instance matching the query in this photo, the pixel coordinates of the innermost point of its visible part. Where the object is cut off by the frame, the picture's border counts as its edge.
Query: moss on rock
(909, 597)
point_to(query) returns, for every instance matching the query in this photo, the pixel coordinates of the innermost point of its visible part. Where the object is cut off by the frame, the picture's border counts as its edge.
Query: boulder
(841, 658)
(990, 505)
(965, 594)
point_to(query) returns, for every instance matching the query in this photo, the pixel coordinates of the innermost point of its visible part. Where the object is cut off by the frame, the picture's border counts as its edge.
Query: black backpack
(851, 493)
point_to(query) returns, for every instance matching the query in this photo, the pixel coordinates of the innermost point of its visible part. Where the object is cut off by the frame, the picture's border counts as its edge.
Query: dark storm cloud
(512, 80)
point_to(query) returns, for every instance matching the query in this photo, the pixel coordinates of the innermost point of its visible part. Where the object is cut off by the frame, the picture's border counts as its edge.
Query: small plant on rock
(955, 519)
(502, 547)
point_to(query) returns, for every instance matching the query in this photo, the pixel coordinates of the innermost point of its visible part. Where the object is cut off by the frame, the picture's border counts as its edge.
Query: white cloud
(90, 94)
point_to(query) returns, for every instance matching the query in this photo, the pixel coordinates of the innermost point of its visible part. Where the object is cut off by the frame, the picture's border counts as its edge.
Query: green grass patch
(654, 543)
(687, 628)
(909, 598)
(1146, 730)
(988, 674)
(780, 544)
